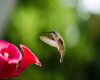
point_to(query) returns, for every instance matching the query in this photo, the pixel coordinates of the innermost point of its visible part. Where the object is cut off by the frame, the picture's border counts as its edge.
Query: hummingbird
(56, 41)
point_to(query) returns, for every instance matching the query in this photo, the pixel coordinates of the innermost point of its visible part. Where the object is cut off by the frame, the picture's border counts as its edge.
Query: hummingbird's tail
(61, 58)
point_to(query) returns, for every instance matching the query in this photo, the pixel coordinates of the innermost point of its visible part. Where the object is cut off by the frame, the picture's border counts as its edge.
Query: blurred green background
(78, 22)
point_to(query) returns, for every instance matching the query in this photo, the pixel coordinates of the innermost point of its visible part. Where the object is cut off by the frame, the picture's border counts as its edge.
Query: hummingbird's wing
(49, 41)
(58, 42)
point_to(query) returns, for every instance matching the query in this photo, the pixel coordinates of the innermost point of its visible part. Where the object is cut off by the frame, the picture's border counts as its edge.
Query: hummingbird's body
(57, 42)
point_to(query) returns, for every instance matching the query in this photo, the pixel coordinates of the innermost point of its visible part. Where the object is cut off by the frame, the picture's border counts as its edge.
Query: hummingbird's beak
(49, 32)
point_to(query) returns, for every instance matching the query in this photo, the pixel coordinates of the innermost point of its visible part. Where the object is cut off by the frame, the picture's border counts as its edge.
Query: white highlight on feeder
(6, 54)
